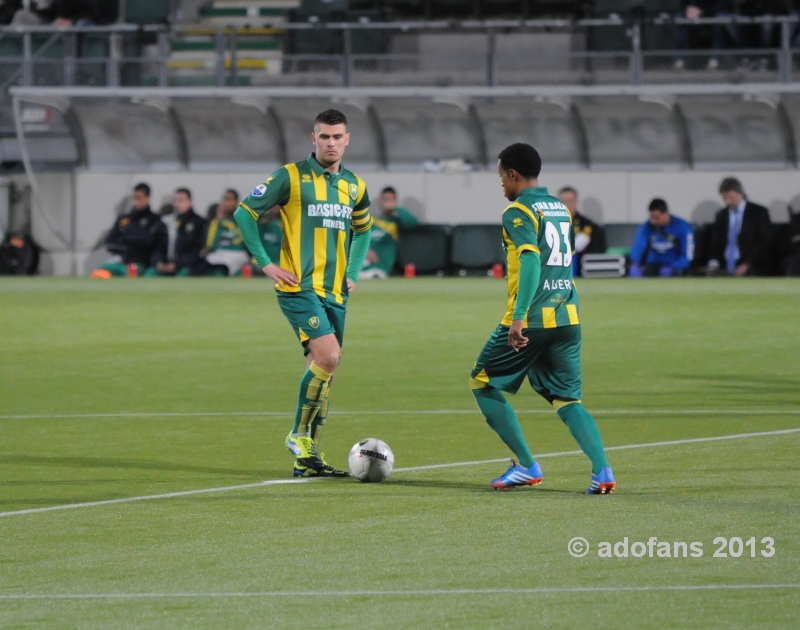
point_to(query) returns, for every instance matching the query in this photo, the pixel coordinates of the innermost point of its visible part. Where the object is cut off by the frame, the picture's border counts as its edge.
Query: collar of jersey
(534, 190)
(316, 167)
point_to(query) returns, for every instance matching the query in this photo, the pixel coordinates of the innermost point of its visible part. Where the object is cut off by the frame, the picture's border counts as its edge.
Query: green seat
(367, 41)
(147, 11)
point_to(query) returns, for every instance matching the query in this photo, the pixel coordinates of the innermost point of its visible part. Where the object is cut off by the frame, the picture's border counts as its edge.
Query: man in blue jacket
(664, 245)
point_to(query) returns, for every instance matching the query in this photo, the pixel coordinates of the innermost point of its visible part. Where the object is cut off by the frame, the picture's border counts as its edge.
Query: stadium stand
(434, 89)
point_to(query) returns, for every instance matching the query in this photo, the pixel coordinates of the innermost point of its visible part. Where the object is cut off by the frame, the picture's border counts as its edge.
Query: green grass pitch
(131, 388)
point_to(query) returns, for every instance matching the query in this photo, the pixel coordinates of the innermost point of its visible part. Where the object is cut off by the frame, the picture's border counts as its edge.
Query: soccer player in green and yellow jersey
(540, 335)
(326, 223)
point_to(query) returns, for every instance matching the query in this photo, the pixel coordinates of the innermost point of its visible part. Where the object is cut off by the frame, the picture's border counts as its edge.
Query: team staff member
(742, 234)
(382, 254)
(588, 237)
(187, 238)
(225, 249)
(664, 245)
(326, 222)
(138, 237)
(540, 335)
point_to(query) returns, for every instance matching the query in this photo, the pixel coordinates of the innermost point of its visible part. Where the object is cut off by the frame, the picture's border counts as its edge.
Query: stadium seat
(367, 41)
(619, 237)
(147, 11)
(426, 247)
(476, 247)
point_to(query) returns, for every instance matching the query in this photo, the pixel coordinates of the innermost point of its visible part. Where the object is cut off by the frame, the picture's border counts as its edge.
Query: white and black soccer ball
(371, 460)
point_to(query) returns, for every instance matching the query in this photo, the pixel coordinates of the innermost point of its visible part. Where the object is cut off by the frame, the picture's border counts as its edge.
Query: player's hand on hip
(281, 276)
(515, 337)
(351, 286)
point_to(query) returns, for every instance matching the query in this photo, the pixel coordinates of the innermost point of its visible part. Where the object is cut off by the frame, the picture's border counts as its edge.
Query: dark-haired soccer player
(326, 222)
(540, 335)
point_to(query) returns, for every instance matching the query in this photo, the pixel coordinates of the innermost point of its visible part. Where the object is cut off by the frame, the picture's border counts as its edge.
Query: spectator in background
(664, 245)
(225, 248)
(7, 10)
(382, 254)
(65, 12)
(187, 235)
(588, 236)
(690, 10)
(137, 238)
(741, 236)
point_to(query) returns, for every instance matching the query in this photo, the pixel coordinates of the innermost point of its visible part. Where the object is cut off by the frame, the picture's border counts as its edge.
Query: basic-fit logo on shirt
(333, 210)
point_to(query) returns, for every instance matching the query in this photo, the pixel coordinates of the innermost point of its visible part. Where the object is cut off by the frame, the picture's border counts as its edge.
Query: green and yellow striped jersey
(224, 234)
(318, 211)
(540, 223)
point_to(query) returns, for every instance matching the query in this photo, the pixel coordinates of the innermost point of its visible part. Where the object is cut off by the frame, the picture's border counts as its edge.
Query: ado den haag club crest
(354, 191)
(314, 322)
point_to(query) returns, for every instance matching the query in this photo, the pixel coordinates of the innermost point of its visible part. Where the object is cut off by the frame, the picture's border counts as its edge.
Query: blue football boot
(603, 482)
(518, 476)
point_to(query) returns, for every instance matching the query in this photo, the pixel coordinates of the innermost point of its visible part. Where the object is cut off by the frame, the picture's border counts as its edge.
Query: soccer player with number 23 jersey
(540, 335)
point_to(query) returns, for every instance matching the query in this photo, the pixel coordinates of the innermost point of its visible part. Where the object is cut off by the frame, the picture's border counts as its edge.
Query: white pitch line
(717, 438)
(402, 593)
(398, 412)
(150, 497)
(277, 482)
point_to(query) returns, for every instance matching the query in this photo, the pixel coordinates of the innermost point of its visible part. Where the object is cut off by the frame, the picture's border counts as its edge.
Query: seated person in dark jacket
(589, 237)
(138, 239)
(664, 245)
(187, 236)
(741, 241)
(790, 246)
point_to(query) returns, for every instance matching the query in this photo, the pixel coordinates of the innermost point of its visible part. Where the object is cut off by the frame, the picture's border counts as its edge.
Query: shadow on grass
(474, 487)
(128, 464)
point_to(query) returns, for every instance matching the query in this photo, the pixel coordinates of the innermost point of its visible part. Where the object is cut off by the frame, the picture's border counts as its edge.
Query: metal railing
(36, 65)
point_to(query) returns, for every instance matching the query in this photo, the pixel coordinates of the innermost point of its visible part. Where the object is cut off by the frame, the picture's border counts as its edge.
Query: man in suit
(589, 237)
(742, 235)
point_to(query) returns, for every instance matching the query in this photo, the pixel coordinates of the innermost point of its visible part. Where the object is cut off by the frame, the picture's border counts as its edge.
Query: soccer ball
(371, 460)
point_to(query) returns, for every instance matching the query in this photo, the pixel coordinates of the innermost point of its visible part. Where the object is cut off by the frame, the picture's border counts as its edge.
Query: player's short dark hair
(233, 192)
(331, 117)
(389, 189)
(142, 187)
(523, 158)
(658, 205)
(731, 184)
(185, 191)
(568, 189)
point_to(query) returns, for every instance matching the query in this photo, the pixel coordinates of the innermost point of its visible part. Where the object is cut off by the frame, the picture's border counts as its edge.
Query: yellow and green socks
(501, 417)
(313, 390)
(318, 423)
(584, 429)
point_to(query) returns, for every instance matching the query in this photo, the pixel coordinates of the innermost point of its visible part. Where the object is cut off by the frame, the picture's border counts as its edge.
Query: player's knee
(327, 360)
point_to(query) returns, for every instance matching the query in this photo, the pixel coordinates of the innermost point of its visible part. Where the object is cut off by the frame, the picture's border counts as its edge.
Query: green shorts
(312, 316)
(551, 361)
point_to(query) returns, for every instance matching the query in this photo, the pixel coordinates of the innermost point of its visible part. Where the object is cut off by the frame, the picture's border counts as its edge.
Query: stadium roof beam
(548, 91)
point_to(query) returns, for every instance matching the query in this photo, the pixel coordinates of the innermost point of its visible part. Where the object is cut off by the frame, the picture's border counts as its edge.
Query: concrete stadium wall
(607, 197)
